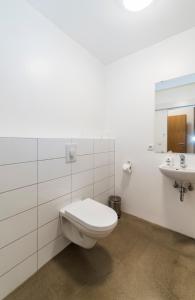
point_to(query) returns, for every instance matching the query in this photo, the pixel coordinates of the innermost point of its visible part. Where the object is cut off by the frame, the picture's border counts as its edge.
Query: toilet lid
(91, 214)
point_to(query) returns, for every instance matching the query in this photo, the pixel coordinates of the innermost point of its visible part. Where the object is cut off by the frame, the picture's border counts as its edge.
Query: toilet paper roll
(127, 167)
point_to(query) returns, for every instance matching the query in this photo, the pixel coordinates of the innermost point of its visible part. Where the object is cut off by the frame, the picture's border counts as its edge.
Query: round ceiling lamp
(136, 5)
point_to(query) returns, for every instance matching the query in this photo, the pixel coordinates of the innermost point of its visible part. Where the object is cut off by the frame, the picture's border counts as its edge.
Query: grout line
(53, 199)
(38, 137)
(80, 188)
(103, 179)
(21, 237)
(18, 188)
(106, 165)
(71, 179)
(41, 182)
(18, 264)
(114, 164)
(18, 163)
(52, 158)
(93, 167)
(60, 157)
(84, 171)
(65, 195)
(51, 242)
(37, 199)
(49, 202)
(19, 213)
(55, 219)
(33, 207)
(91, 184)
(104, 138)
(105, 191)
(18, 137)
(66, 244)
(53, 179)
(85, 154)
(103, 152)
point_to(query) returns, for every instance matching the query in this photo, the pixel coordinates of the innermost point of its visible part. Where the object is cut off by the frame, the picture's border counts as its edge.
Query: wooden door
(177, 133)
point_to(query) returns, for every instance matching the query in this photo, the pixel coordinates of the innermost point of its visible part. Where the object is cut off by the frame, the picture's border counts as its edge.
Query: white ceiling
(109, 32)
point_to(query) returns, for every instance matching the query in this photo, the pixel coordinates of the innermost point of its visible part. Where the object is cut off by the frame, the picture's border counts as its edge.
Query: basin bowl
(183, 175)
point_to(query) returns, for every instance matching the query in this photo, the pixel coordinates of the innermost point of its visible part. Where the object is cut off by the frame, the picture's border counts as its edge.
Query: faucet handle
(182, 160)
(182, 156)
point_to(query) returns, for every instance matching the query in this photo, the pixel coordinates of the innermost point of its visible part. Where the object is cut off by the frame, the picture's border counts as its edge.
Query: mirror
(175, 115)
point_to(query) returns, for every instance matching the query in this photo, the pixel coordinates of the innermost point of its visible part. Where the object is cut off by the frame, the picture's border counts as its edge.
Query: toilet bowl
(85, 221)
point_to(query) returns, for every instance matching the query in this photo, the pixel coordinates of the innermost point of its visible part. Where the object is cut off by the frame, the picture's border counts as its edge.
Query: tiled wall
(35, 182)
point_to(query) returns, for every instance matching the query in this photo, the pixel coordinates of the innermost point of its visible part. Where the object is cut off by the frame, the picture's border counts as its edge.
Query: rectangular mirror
(175, 115)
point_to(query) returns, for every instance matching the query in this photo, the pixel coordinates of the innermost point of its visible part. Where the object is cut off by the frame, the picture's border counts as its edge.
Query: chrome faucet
(182, 161)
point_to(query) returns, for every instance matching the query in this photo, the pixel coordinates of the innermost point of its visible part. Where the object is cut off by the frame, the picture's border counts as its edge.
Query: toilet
(84, 222)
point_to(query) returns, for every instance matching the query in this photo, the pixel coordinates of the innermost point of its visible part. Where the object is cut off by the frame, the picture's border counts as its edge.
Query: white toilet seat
(90, 214)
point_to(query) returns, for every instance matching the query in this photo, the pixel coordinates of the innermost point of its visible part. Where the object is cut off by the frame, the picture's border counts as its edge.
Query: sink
(185, 175)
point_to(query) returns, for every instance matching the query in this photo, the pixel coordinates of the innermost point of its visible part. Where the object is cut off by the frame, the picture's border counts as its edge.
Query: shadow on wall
(125, 183)
(85, 266)
(176, 213)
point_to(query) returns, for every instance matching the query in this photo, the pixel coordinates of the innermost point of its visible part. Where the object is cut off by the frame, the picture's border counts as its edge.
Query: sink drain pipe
(183, 189)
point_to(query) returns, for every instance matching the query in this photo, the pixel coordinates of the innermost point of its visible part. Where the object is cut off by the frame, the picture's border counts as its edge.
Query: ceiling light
(136, 5)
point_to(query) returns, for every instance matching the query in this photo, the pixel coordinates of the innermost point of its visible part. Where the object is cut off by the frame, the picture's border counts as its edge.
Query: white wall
(49, 85)
(131, 97)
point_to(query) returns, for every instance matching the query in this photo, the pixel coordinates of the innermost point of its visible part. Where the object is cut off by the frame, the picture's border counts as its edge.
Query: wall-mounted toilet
(85, 221)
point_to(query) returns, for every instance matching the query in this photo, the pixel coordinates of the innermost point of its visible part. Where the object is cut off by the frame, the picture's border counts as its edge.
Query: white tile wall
(101, 159)
(50, 210)
(84, 146)
(111, 145)
(81, 180)
(103, 172)
(103, 198)
(111, 157)
(50, 250)
(103, 185)
(49, 233)
(35, 182)
(17, 201)
(101, 145)
(16, 252)
(53, 189)
(82, 164)
(16, 227)
(11, 280)
(53, 168)
(86, 192)
(25, 150)
(51, 148)
(17, 176)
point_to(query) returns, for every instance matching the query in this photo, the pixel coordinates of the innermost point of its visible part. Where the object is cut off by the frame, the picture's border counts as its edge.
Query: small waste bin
(115, 203)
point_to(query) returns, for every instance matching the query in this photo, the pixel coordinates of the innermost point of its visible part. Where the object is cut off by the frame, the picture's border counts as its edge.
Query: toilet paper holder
(127, 167)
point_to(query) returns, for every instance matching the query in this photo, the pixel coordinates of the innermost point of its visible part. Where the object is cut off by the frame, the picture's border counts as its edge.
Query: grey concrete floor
(137, 261)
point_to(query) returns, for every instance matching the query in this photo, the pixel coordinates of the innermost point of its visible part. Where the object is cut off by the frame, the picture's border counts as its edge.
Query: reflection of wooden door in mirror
(177, 133)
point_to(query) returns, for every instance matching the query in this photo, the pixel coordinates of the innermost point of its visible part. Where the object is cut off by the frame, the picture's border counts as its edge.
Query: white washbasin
(178, 174)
